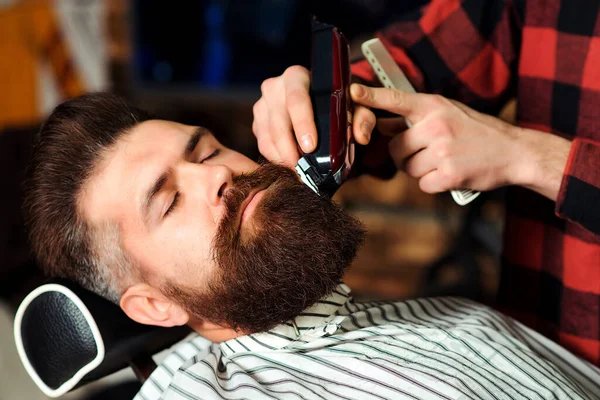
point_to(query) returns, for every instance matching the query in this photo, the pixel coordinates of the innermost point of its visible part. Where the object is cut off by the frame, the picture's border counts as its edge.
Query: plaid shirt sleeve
(462, 49)
(579, 194)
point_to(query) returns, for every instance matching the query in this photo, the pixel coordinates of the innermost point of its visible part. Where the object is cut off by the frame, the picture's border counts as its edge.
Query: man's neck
(213, 332)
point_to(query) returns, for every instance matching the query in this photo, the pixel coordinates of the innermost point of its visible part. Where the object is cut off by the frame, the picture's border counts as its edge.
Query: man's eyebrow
(199, 132)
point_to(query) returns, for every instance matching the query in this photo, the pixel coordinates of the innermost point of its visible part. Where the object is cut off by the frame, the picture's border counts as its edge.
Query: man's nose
(207, 181)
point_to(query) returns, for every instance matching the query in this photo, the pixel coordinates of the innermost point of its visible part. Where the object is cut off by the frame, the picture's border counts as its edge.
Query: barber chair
(67, 336)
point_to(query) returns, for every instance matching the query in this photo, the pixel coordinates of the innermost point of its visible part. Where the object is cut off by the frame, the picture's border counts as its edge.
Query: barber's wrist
(520, 165)
(541, 160)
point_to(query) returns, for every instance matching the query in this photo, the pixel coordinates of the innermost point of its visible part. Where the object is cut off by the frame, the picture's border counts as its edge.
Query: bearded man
(176, 228)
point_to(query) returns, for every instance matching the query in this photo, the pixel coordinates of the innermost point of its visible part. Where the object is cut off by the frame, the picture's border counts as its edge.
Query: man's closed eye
(178, 194)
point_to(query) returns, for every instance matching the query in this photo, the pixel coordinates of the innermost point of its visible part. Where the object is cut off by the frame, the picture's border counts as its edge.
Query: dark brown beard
(296, 253)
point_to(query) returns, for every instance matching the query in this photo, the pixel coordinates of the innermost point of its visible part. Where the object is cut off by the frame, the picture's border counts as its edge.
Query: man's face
(232, 242)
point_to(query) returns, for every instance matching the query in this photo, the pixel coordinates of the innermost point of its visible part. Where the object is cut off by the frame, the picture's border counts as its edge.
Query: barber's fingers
(363, 122)
(433, 182)
(413, 106)
(280, 126)
(261, 117)
(420, 164)
(299, 107)
(407, 143)
(391, 126)
(447, 175)
(260, 128)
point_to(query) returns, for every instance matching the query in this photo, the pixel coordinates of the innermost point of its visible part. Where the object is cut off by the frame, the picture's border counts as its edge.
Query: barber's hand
(283, 118)
(450, 145)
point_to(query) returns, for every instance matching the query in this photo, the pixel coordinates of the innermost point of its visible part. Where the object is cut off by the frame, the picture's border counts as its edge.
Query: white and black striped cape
(436, 348)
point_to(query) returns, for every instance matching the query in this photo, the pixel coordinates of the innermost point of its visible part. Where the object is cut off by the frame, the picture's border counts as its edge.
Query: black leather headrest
(67, 336)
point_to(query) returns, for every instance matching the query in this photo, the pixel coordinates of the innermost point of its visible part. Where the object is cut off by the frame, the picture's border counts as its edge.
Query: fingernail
(357, 90)
(306, 142)
(365, 128)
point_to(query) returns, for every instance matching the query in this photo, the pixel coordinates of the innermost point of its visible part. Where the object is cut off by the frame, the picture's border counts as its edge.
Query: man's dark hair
(68, 149)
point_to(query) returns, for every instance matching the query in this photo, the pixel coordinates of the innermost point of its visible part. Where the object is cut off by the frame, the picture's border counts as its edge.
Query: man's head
(177, 228)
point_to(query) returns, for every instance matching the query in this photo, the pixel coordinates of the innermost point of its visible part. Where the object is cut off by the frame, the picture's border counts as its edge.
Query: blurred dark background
(202, 63)
(232, 46)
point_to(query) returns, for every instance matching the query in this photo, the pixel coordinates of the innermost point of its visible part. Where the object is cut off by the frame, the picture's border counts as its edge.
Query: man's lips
(249, 205)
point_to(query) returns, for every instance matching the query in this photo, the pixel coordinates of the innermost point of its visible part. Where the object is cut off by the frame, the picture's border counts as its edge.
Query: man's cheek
(193, 239)
(239, 163)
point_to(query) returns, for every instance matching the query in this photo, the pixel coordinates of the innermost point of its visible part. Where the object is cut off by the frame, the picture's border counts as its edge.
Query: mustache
(265, 175)
(282, 182)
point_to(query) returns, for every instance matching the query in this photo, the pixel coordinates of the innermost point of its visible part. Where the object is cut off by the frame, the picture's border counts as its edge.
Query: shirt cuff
(579, 193)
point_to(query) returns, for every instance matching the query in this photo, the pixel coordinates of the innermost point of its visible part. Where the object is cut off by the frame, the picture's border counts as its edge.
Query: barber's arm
(451, 145)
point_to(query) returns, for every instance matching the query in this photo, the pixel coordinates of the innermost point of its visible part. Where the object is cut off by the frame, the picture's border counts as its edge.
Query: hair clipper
(325, 169)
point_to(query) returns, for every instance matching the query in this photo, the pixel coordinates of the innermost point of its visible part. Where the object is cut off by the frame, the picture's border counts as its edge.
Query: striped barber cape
(435, 348)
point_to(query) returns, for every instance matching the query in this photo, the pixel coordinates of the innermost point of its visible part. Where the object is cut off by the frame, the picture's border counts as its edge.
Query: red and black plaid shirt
(546, 53)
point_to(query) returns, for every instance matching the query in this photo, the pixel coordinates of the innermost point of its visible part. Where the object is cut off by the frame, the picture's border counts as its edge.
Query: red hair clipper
(325, 169)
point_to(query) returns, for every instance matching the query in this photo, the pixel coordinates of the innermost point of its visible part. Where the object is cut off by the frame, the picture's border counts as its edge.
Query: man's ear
(147, 305)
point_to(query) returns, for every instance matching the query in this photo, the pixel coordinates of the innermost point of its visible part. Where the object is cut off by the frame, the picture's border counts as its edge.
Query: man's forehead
(168, 133)
(133, 161)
